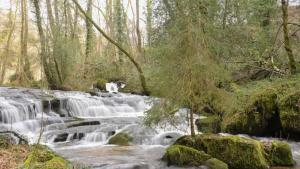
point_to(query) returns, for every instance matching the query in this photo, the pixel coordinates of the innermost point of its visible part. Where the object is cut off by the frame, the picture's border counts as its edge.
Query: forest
(209, 84)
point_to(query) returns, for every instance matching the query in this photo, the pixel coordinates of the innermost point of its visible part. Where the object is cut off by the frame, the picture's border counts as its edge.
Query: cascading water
(78, 125)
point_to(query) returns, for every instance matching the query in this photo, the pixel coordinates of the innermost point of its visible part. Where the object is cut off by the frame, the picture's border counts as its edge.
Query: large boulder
(260, 117)
(237, 152)
(185, 156)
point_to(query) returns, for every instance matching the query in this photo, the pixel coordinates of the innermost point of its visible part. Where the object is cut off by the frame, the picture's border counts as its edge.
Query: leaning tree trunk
(130, 57)
(287, 45)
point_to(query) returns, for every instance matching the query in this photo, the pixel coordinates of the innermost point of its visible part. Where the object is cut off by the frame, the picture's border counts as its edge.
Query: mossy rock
(211, 124)
(237, 152)
(259, 117)
(279, 153)
(185, 156)
(214, 163)
(101, 84)
(290, 114)
(42, 158)
(121, 139)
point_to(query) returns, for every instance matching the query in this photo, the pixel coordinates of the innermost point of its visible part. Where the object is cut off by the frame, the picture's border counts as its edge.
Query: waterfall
(78, 125)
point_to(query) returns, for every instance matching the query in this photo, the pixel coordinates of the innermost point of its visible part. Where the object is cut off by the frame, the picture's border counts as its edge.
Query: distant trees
(7, 49)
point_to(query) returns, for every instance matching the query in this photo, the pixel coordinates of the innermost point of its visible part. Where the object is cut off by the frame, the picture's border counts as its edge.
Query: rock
(290, 115)
(121, 139)
(185, 156)
(211, 124)
(279, 153)
(61, 137)
(237, 152)
(84, 123)
(214, 163)
(101, 84)
(261, 116)
(42, 158)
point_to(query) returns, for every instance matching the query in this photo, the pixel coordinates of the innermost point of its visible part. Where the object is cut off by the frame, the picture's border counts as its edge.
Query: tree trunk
(138, 32)
(224, 20)
(192, 123)
(43, 52)
(89, 36)
(149, 21)
(137, 66)
(287, 45)
(24, 39)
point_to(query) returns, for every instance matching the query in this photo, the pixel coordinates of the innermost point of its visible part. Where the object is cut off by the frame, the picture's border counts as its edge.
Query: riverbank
(13, 156)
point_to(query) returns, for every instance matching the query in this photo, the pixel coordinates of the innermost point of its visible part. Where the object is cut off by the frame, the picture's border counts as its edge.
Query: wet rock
(61, 137)
(78, 136)
(121, 139)
(85, 123)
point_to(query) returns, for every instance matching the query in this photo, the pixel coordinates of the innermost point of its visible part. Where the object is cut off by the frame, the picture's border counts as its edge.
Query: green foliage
(211, 124)
(121, 139)
(214, 163)
(185, 156)
(4, 142)
(237, 152)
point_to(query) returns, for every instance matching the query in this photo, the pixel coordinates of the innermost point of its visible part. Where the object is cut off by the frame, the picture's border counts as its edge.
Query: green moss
(121, 139)
(290, 112)
(42, 158)
(238, 153)
(185, 156)
(211, 124)
(214, 163)
(256, 115)
(279, 153)
(101, 84)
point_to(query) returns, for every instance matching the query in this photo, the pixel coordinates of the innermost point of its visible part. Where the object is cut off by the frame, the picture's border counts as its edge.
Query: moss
(238, 153)
(42, 158)
(185, 156)
(211, 124)
(260, 116)
(279, 153)
(290, 113)
(214, 163)
(121, 139)
(101, 84)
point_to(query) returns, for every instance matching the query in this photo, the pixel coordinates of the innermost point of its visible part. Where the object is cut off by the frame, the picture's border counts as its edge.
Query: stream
(78, 125)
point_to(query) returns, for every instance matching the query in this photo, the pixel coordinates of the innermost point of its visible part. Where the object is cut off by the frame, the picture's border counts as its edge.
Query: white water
(29, 112)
